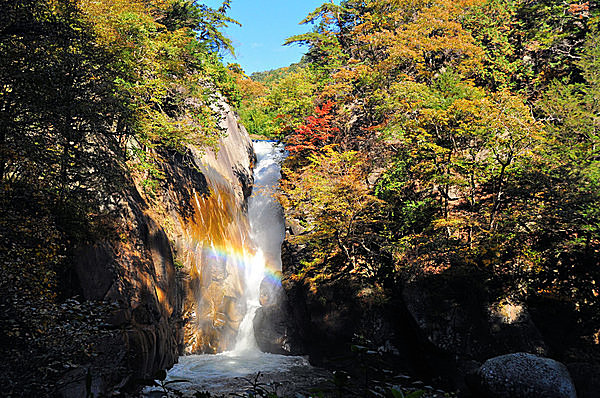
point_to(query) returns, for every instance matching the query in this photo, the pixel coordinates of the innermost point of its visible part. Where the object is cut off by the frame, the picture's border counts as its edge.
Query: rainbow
(242, 257)
(273, 277)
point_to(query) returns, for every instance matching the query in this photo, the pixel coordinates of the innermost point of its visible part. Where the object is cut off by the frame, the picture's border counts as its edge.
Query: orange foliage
(315, 132)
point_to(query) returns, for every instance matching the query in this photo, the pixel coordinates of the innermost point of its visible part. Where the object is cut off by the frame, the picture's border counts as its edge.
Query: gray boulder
(275, 329)
(522, 375)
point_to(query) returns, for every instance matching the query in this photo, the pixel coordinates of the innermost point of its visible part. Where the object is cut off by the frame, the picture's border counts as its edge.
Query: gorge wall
(170, 290)
(440, 328)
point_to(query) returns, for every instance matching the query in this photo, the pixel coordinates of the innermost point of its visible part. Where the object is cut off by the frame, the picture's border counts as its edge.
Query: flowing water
(267, 231)
(229, 372)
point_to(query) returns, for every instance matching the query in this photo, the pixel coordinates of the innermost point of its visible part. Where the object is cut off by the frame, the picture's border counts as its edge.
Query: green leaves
(277, 108)
(330, 194)
(211, 22)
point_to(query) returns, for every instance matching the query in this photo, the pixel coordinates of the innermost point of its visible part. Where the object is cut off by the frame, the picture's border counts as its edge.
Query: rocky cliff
(153, 274)
(442, 328)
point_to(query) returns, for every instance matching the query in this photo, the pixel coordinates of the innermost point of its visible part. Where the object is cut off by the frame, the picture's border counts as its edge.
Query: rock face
(271, 329)
(137, 275)
(137, 271)
(459, 318)
(461, 322)
(209, 239)
(522, 375)
(438, 327)
(274, 328)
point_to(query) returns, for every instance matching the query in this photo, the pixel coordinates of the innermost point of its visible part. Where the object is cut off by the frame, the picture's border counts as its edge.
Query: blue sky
(265, 26)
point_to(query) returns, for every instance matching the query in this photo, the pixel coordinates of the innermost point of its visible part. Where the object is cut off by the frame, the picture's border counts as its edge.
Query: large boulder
(271, 330)
(522, 375)
(274, 327)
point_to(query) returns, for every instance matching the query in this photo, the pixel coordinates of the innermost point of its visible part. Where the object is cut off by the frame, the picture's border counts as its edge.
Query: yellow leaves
(342, 84)
(104, 15)
(250, 89)
(450, 223)
(331, 194)
(425, 38)
(346, 79)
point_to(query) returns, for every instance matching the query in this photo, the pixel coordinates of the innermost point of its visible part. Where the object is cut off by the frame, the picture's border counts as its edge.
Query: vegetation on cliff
(445, 138)
(92, 95)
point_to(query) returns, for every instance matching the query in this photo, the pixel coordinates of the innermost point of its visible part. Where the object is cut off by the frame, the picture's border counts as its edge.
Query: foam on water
(228, 373)
(228, 365)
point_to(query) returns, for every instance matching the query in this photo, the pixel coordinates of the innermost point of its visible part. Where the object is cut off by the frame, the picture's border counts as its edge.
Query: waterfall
(267, 231)
(258, 263)
(228, 252)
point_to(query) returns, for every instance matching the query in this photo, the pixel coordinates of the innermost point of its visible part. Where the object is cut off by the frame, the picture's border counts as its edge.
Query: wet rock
(274, 327)
(522, 375)
(326, 322)
(270, 330)
(74, 382)
(211, 286)
(340, 313)
(270, 291)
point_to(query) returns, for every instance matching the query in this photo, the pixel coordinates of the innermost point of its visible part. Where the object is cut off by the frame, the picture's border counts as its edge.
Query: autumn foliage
(315, 132)
(93, 93)
(475, 122)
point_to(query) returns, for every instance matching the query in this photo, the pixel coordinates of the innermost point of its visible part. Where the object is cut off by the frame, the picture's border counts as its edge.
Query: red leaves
(315, 132)
(580, 10)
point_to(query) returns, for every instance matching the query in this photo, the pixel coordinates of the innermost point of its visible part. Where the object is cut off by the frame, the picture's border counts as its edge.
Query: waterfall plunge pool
(231, 373)
(234, 371)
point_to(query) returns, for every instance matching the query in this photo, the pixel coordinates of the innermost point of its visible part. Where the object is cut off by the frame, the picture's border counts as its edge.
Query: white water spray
(222, 373)
(267, 231)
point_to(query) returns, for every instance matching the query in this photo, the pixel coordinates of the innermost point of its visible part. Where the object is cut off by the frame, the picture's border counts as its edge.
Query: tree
(315, 133)
(330, 197)
(280, 104)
